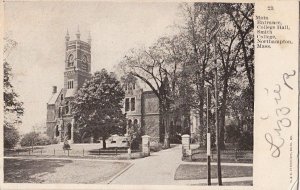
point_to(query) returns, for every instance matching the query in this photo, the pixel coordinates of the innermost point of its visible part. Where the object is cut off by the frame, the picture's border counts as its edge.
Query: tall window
(61, 97)
(132, 104)
(71, 60)
(69, 132)
(56, 131)
(127, 104)
(59, 112)
(67, 107)
(70, 84)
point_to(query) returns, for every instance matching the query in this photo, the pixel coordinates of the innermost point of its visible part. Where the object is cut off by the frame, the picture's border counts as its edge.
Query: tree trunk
(201, 105)
(222, 113)
(248, 69)
(104, 143)
(167, 131)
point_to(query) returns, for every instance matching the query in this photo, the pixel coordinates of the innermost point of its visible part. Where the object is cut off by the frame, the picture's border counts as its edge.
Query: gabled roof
(54, 97)
(70, 93)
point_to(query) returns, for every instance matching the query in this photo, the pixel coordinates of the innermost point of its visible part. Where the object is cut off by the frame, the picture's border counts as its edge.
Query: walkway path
(160, 168)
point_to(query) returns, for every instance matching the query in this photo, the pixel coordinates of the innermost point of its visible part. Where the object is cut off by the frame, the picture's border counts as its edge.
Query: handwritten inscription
(282, 119)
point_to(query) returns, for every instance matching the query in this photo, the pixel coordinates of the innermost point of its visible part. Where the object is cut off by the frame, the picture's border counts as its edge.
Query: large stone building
(140, 107)
(60, 122)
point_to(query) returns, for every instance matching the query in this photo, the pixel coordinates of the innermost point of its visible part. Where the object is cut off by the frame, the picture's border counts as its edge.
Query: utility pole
(217, 119)
(208, 144)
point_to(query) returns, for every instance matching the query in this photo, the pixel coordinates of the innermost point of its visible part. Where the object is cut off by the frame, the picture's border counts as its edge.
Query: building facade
(60, 122)
(141, 107)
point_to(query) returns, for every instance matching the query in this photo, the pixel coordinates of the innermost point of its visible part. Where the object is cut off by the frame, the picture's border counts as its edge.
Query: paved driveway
(157, 169)
(160, 168)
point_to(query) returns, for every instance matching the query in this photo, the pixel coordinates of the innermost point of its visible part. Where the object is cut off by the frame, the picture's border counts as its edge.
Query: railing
(78, 152)
(232, 155)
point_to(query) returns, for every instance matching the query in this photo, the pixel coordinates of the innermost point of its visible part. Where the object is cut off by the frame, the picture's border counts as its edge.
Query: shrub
(245, 141)
(11, 137)
(54, 141)
(35, 139)
(43, 140)
(155, 147)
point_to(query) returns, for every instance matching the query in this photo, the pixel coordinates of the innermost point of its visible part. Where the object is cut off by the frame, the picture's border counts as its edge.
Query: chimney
(54, 89)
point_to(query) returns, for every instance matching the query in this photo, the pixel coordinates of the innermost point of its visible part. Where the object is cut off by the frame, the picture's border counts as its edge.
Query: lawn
(238, 183)
(192, 171)
(60, 171)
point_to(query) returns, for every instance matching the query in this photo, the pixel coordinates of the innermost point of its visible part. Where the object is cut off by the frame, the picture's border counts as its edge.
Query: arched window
(67, 107)
(69, 131)
(136, 125)
(129, 122)
(59, 112)
(71, 60)
(56, 131)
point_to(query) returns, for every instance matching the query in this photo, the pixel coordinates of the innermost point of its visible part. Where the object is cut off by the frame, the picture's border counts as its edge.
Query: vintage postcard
(150, 95)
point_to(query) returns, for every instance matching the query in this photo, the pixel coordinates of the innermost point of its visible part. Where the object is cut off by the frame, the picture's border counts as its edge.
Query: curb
(118, 174)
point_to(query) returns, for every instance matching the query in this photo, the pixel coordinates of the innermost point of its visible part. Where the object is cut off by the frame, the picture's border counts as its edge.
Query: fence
(78, 152)
(229, 155)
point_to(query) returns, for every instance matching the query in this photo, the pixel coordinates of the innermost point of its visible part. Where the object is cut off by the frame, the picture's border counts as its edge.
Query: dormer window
(133, 86)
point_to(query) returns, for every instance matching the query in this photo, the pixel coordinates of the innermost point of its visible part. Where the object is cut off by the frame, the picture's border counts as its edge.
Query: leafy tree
(97, 106)
(11, 137)
(13, 107)
(134, 134)
(178, 68)
(157, 66)
(233, 46)
(34, 139)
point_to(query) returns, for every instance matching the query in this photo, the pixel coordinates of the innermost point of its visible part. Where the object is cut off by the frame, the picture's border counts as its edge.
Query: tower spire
(67, 36)
(78, 33)
(89, 38)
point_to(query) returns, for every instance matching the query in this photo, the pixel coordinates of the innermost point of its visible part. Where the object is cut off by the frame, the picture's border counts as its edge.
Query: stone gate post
(146, 145)
(185, 139)
(72, 131)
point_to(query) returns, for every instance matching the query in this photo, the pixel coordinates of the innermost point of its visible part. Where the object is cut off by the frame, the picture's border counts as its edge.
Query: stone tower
(60, 121)
(77, 62)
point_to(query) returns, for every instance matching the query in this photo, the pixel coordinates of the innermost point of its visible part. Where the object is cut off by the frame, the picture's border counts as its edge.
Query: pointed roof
(54, 98)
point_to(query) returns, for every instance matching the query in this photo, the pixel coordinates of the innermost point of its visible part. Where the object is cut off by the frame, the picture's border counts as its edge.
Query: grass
(191, 171)
(90, 151)
(237, 183)
(59, 171)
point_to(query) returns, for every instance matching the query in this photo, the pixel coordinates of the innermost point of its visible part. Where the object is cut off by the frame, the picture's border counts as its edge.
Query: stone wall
(152, 125)
(151, 116)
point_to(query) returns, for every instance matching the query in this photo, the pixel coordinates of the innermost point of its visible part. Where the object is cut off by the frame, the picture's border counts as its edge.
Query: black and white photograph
(128, 93)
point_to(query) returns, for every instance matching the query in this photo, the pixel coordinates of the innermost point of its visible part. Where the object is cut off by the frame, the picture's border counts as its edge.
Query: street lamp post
(217, 122)
(208, 144)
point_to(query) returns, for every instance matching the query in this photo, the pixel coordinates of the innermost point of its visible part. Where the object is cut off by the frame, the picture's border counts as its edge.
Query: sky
(39, 28)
